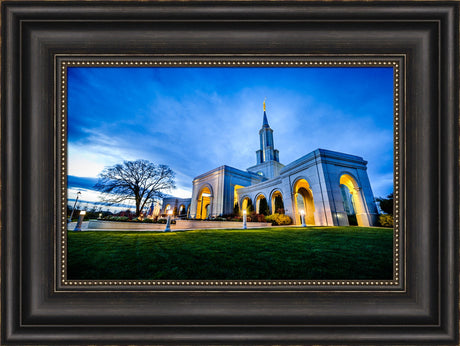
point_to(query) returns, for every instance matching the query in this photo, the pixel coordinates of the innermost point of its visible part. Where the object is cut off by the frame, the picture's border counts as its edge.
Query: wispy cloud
(195, 119)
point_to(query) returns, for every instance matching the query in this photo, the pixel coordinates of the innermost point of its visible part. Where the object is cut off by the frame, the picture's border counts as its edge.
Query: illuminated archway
(168, 206)
(204, 203)
(246, 204)
(182, 210)
(261, 201)
(277, 202)
(357, 204)
(235, 195)
(303, 200)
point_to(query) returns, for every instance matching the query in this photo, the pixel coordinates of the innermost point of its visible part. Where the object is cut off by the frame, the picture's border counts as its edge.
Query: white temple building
(327, 186)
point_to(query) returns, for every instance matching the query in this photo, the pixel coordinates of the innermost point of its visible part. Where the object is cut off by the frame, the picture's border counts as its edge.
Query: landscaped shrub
(283, 219)
(386, 220)
(117, 218)
(235, 218)
(271, 218)
(279, 219)
(258, 218)
(218, 218)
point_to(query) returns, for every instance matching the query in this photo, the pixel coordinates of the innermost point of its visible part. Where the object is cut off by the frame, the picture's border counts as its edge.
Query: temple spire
(265, 121)
(267, 151)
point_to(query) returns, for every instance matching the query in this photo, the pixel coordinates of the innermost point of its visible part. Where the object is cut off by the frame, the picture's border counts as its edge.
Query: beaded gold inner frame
(397, 62)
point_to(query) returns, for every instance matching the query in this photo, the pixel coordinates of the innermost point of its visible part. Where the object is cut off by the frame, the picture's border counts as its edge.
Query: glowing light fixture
(80, 220)
(302, 217)
(168, 222)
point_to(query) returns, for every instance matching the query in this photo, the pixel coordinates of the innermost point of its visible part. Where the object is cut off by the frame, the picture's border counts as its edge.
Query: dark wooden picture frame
(423, 309)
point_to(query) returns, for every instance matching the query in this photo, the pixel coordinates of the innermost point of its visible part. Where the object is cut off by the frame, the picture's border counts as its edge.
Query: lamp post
(244, 219)
(80, 220)
(168, 223)
(73, 209)
(302, 217)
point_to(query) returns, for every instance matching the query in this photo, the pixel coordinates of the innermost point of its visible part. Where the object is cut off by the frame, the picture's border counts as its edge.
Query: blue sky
(196, 119)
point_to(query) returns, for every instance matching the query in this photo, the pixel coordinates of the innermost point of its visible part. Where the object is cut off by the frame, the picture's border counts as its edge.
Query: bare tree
(138, 181)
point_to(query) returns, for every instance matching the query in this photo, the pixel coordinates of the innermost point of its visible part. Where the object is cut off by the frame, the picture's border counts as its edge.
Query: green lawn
(271, 253)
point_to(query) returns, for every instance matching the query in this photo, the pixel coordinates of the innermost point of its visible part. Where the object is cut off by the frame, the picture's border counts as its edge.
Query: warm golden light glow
(259, 198)
(170, 212)
(203, 203)
(304, 201)
(302, 212)
(274, 195)
(356, 198)
(83, 212)
(264, 104)
(235, 194)
(349, 182)
(244, 212)
(245, 204)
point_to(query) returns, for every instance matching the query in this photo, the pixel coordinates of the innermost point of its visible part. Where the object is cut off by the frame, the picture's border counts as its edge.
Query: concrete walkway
(71, 225)
(99, 225)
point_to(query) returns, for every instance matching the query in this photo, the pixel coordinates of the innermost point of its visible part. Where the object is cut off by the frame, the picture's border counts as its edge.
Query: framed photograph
(230, 173)
(227, 223)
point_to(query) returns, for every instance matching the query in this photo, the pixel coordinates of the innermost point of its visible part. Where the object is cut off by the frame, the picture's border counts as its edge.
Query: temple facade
(330, 188)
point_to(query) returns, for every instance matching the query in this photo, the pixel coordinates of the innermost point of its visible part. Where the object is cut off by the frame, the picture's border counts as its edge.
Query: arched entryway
(246, 204)
(182, 210)
(204, 203)
(236, 205)
(303, 201)
(262, 205)
(353, 203)
(277, 202)
(167, 208)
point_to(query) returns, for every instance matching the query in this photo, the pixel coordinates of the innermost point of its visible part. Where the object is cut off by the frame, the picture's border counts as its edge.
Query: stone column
(362, 215)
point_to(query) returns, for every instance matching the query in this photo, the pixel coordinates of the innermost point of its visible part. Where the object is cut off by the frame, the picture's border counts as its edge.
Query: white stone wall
(212, 181)
(221, 182)
(265, 188)
(321, 169)
(175, 202)
(270, 169)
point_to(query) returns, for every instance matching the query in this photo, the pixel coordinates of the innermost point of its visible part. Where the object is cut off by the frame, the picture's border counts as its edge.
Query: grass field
(271, 253)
